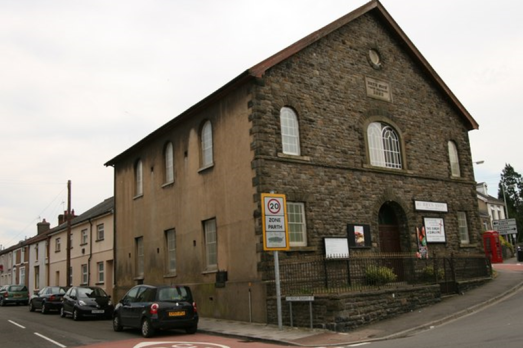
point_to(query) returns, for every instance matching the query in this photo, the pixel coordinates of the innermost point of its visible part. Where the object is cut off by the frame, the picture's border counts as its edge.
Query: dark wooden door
(390, 243)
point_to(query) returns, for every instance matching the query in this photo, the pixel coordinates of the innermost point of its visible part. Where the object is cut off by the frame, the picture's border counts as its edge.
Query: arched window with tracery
(384, 146)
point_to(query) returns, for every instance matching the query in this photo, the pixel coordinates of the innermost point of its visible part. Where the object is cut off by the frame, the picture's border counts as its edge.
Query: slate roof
(259, 69)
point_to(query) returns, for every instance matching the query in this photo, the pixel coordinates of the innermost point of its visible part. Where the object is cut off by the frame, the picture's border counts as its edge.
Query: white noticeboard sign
(435, 230)
(274, 218)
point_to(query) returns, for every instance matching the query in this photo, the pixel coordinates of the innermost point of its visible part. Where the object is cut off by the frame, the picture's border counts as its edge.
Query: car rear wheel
(31, 306)
(76, 315)
(117, 324)
(147, 329)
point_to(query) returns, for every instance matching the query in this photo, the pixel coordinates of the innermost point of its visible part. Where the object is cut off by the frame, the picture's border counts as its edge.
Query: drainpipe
(90, 252)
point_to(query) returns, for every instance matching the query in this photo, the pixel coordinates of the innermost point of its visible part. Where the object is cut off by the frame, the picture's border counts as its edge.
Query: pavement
(507, 281)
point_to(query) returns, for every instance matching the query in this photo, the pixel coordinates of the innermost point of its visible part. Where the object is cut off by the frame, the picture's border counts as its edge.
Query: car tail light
(6, 294)
(51, 298)
(194, 307)
(154, 308)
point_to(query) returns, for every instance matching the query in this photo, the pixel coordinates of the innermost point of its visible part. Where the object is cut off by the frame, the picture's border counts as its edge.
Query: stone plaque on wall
(378, 89)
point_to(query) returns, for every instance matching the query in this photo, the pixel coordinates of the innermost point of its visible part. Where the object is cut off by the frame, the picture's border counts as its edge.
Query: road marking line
(50, 340)
(14, 323)
(359, 344)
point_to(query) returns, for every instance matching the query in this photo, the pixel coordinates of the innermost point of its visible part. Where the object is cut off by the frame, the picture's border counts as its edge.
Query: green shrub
(375, 275)
(428, 274)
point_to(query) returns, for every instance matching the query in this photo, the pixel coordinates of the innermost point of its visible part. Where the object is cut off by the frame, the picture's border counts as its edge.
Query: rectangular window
(139, 257)
(57, 244)
(101, 272)
(463, 228)
(170, 239)
(37, 277)
(296, 224)
(84, 237)
(22, 275)
(100, 232)
(210, 244)
(84, 274)
(36, 254)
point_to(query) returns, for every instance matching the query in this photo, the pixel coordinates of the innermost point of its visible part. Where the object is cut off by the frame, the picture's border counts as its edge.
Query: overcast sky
(81, 81)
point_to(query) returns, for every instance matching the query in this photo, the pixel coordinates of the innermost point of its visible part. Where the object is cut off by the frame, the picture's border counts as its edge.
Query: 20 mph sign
(274, 217)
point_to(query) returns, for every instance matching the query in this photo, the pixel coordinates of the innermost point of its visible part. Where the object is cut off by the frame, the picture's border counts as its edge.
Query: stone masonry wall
(325, 84)
(347, 312)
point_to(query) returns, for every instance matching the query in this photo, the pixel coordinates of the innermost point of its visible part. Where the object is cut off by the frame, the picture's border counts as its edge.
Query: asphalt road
(20, 328)
(498, 325)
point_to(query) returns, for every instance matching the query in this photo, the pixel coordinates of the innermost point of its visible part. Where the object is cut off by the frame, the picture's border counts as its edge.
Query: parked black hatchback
(152, 308)
(47, 299)
(86, 301)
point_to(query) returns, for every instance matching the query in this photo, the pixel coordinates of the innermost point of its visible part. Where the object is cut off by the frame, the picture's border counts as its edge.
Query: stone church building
(351, 124)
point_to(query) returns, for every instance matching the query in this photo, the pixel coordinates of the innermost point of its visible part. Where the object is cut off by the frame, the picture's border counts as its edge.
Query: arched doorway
(391, 221)
(389, 228)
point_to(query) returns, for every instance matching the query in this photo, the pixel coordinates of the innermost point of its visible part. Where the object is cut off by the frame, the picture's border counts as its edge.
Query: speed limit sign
(274, 218)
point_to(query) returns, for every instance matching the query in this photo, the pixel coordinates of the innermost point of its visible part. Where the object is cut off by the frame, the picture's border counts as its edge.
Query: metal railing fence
(311, 275)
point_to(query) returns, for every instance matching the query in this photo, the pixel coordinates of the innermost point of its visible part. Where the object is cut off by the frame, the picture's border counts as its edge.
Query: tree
(510, 188)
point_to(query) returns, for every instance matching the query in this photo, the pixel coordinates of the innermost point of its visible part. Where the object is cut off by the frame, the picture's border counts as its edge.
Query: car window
(147, 295)
(18, 288)
(178, 293)
(131, 295)
(91, 292)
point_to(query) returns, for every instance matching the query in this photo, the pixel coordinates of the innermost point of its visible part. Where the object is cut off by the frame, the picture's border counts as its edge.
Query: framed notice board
(359, 236)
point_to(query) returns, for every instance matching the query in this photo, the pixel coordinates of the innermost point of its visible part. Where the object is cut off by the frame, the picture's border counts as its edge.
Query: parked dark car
(86, 301)
(47, 299)
(17, 294)
(151, 308)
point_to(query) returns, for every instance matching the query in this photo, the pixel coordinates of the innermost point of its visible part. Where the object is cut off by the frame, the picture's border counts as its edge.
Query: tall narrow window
(169, 163)
(170, 239)
(84, 274)
(206, 146)
(139, 257)
(101, 272)
(384, 146)
(296, 222)
(22, 275)
(454, 159)
(290, 133)
(210, 244)
(463, 228)
(57, 244)
(138, 178)
(84, 237)
(37, 277)
(100, 234)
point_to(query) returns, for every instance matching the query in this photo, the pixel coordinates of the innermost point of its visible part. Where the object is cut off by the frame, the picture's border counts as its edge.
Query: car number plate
(177, 314)
(97, 311)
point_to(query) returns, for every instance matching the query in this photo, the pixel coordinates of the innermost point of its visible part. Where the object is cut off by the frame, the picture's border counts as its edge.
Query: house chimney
(62, 218)
(43, 226)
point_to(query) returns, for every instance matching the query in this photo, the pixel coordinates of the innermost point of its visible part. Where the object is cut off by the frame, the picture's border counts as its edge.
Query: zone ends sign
(274, 219)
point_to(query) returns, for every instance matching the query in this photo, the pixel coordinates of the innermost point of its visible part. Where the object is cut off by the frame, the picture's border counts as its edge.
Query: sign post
(275, 236)
(506, 226)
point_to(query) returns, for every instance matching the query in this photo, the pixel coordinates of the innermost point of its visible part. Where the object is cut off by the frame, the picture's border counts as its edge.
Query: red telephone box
(492, 246)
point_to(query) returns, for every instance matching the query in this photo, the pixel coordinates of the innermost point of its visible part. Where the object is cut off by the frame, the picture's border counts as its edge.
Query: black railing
(319, 275)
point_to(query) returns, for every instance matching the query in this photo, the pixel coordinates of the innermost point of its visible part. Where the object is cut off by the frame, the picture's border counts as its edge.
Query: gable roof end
(376, 8)
(259, 69)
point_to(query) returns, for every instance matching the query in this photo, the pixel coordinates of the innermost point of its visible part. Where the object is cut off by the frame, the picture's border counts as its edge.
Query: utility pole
(68, 217)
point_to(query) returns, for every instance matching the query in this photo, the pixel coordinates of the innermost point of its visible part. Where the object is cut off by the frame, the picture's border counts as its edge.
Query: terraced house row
(351, 124)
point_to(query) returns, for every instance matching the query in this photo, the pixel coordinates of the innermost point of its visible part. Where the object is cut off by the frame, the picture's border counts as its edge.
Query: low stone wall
(345, 312)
